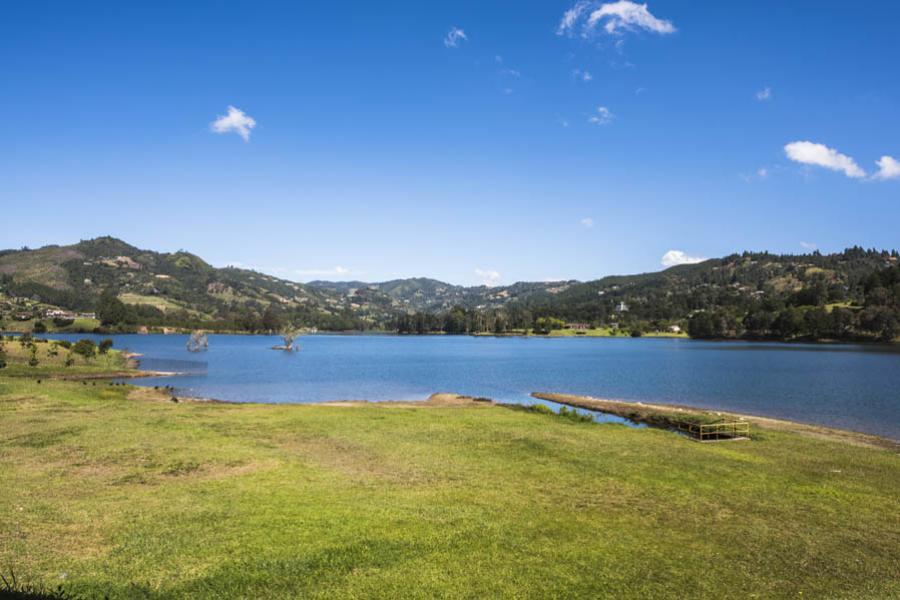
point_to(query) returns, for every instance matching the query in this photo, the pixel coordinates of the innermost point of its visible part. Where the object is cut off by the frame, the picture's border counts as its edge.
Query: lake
(848, 386)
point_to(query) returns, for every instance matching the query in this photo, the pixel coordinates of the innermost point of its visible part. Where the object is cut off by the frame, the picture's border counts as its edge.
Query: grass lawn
(163, 304)
(79, 324)
(112, 491)
(52, 358)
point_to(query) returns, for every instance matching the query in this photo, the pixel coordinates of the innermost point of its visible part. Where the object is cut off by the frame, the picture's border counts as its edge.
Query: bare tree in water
(289, 337)
(198, 342)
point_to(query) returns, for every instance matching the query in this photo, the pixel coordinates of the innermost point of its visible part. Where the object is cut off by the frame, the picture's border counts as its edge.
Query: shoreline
(895, 344)
(112, 375)
(632, 410)
(640, 411)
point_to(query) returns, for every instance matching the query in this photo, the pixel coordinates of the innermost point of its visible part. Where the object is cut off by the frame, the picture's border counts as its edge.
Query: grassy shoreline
(117, 491)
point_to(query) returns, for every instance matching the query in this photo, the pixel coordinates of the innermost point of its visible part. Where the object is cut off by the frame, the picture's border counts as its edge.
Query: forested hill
(164, 289)
(854, 294)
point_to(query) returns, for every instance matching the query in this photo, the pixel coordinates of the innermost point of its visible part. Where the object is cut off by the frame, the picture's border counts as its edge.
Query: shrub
(574, 415)
(85, 348)
(10, 587)
(104, 346)
(39, 327)
(542, 409)
(63, 322)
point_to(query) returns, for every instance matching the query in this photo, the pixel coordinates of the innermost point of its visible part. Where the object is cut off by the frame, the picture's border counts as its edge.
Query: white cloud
(888, 168)
(582, 74)
(761, 173)
(488, 277)
(235, 121)
(454, 37)
(511, 73)
(616, 17)
(764, 94)
(337, 271)
(571, 17)
(290, 273)
(808, 245)
(809, 153)
(587, 222)
(603, 117)
(677, 257)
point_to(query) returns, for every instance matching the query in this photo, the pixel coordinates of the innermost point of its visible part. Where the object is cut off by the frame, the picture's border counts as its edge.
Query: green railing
(734, 430)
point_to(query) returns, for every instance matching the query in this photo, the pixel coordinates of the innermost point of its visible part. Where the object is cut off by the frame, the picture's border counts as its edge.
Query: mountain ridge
(181, 289)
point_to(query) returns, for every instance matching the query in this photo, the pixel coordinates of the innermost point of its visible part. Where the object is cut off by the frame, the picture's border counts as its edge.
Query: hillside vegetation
(852, 295)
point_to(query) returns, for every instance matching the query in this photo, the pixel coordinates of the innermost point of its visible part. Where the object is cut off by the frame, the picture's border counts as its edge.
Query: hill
(161, 289)
(854, 294)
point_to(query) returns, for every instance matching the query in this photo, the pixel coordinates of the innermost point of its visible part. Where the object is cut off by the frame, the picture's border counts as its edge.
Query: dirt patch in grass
(439, 400)
(147, 394)
(353, 461)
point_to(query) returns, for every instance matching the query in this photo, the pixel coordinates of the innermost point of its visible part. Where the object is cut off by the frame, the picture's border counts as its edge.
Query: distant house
(621, 307)
(675, 328)
(578, 326)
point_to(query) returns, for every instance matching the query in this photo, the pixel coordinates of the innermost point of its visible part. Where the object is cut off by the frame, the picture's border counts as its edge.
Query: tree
(111, 310)
(288, 336)
(701, 326)
(198, 342)
(104, 346)
(85, 348)
(842, 321)
(271, 319)
(548, 324)
(788, 323)
(39, 327)
(818, 323)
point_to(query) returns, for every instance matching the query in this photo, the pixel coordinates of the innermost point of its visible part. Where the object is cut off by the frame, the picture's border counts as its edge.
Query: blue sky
(386, 145)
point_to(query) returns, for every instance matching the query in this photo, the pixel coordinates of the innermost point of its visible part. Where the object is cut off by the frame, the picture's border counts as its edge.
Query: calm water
(847, 386)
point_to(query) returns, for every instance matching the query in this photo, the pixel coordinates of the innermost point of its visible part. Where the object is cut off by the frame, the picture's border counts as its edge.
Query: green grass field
(52, 358)
(163, 304)
(78, 325)
(108, 491)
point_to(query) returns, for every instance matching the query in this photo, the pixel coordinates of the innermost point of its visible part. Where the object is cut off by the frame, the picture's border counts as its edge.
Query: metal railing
(734, 430)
